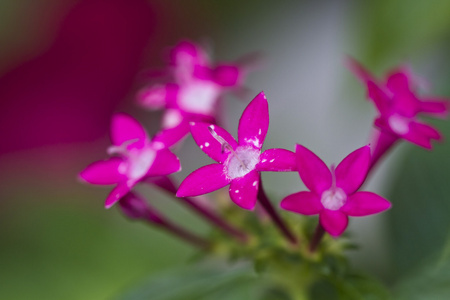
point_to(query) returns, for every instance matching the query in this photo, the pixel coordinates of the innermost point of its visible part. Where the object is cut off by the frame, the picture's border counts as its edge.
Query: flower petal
(153, 97)
(165, 163)
(425, 129)
(125, 128)
(209, 143)
(421, 134)
(365, 203)
(305, 203)
(333, 221)
(227, 75)
(103, 172)
(170, 136)
(380, 99)
(352, 171)
(117, 193)
(435, 107)
(312, 170)
(244, 190)
(254, 122)
(204, 180)
(359, 71)
(277, 160)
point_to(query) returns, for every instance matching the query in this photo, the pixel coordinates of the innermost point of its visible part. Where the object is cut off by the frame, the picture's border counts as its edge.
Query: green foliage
(198, 281)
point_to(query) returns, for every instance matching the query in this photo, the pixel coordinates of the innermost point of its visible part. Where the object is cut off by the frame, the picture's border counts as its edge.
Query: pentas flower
(137, 157)
(333, 192)
(194, 93)
(398, 105)
(238, 162)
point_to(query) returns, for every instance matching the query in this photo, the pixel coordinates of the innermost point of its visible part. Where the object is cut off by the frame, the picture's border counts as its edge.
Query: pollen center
(333, 199)
(198, 97)
(139, 162)
(399, 124)
(241, 162)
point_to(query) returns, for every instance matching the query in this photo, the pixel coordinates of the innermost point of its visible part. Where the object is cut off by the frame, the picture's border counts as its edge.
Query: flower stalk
(135, 207)
(167, 184)
(265, 203)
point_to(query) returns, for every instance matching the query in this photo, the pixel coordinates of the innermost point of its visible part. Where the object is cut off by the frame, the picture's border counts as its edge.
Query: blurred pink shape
(69, 93)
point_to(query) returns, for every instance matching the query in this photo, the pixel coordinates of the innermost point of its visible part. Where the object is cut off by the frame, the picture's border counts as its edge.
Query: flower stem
(183, 234)
(169, 186)
(318, 235)
(383, 143)
(265, 203)
(135, 207)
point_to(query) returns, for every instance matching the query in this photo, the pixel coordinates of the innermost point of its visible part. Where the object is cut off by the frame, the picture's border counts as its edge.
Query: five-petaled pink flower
(239, 162)
(137, 158)
(333, 193)
(398, 105)
(194, 93)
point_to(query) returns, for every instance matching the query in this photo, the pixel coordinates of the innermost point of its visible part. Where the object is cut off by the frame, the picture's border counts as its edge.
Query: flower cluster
(193, 92)
(190, 100)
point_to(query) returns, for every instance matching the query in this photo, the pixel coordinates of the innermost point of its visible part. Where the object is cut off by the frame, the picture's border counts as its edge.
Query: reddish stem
(265, 203)
(167, 184)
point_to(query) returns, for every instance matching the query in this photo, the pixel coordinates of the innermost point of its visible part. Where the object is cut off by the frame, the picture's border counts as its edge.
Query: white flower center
(172, 118)
(333, 199)
(137, 163)
(399, 124)
(198, 97)
(242, 161)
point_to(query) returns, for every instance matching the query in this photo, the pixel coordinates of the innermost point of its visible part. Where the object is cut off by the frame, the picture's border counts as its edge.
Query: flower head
(136, 158)
(398, 105)
(197, 86)
(333, 192)
(238, 162)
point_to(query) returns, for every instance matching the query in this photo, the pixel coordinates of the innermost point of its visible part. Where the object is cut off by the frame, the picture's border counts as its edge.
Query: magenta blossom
(194, 93)
(398, 105)
(333, 193)
(239, 162)
(137, 158)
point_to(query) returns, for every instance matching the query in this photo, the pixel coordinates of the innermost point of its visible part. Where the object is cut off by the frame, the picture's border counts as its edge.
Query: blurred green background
(57, 241)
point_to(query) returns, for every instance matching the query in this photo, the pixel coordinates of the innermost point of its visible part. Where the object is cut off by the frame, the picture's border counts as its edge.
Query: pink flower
(238, 162)
(194, 93)
(333, 193)
(398, 105)
(137, 158)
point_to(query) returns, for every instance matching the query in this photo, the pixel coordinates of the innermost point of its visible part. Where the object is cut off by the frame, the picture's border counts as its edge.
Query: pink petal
(435, 107)
(277, 160)
(244, 190)
(333, 221)
(305, 203)
(312, 170)
(359, 71)
(153, 97)
(365, 203)
(352, 171)
(210, 144)
(204, 180)
(171, 136)
(398, 82)
(103, 172)
(254, 122)
(381, 100)
(425, 129)
(117, 193)
(165, 163)
(421, 134)
(125, 128)
(227, 75)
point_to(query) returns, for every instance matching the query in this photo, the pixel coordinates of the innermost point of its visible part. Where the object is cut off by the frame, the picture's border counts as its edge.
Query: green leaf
(431, 281)
(200, 281)
(419, 218)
